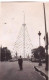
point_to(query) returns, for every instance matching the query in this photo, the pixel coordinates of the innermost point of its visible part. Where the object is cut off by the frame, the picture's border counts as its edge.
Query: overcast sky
(12, 18)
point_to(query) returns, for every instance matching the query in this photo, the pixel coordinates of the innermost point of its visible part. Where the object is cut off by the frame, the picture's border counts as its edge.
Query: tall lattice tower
(23, 44)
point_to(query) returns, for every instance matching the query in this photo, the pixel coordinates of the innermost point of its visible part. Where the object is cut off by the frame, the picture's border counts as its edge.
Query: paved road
(10, 71)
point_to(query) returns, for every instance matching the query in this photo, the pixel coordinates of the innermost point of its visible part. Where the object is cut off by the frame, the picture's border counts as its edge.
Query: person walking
(20, 62)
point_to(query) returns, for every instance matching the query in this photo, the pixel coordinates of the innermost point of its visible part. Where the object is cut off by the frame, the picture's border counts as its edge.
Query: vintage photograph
(24, 40)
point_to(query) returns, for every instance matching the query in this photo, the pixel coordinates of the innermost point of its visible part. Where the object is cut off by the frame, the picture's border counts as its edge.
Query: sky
(12, 18)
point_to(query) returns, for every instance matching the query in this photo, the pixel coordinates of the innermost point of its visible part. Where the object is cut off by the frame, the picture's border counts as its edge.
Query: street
(10, 71)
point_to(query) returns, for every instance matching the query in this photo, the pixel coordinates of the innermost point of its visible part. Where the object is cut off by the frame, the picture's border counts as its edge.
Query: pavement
(42, 70)
(10, 71)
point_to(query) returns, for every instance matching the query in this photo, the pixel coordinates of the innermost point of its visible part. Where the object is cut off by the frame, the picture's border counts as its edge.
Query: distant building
(5, 54)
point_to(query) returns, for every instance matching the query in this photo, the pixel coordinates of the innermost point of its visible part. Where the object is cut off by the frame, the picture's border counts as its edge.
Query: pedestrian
(20, 62)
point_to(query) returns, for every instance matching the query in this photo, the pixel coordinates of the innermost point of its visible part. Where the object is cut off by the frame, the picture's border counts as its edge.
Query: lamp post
(40, 64)
(39, 37)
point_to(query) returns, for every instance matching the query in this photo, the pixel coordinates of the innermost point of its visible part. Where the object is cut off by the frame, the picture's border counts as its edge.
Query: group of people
(20, 62)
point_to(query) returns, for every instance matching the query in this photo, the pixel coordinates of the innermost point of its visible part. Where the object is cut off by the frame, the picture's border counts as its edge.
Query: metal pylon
(23, 44)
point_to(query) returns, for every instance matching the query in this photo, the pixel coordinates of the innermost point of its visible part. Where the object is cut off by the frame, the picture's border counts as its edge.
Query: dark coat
(20, 61)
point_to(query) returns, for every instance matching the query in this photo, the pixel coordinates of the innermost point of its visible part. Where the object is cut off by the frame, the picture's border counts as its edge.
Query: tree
(40, 51)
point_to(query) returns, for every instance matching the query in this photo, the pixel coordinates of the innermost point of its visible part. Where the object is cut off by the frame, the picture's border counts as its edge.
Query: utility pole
(46, 38)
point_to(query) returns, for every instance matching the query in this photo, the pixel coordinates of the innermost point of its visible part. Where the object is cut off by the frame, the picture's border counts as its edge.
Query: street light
(40, 64)
(39, 37)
